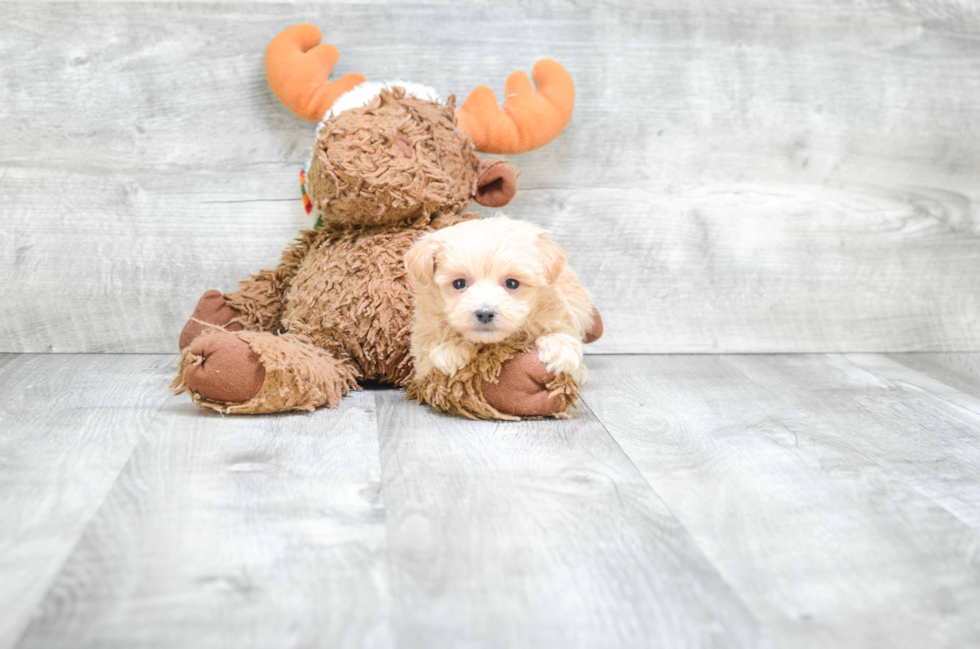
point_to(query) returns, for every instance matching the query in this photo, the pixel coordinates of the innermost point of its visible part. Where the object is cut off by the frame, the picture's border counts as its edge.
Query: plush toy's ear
(528, 120)
(497, 185)
(553, 257)
(298, 69)
(420, 260)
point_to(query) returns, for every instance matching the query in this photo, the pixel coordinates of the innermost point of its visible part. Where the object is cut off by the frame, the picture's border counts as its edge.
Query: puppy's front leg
(451, 356)
(562, 353)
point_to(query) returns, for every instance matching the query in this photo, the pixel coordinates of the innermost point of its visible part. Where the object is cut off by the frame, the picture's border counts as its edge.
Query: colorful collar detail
(307, 204)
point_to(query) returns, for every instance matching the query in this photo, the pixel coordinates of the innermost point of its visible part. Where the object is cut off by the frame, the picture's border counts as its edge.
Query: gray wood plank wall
(737, 177)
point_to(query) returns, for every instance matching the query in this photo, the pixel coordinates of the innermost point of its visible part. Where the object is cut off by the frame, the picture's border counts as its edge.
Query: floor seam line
(382, 489)
(68, 555)
(694, 542)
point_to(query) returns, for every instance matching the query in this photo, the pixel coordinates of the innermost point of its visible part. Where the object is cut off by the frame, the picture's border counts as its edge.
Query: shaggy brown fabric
(351, 297)
(259, 299)
(595, 333)
(448, 220)
(212, 309)
(465, 393)
(360, 174)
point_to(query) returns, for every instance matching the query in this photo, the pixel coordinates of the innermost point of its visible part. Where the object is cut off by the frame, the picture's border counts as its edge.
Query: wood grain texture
(538, 534)
(68, 424)
(736, 177)
(814, 487)
(800, 501)
(233, 531)
(921, 432)
(959, 370)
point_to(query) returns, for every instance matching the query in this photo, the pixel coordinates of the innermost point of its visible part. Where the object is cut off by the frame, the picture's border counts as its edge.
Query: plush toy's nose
(485, 315)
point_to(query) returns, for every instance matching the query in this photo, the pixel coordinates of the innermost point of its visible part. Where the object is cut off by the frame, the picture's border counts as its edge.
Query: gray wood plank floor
(694, 501)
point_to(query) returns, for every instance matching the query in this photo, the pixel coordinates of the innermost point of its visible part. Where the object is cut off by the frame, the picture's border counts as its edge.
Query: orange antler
(528, 120)
(298, 69)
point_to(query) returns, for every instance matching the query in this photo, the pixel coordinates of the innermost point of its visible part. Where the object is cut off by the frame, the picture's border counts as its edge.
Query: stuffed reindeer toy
(390, 164)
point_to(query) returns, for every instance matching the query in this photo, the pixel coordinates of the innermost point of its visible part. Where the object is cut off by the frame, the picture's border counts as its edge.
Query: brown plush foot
(229, 370)
(595, 333)
(212, 308)
(521, 389)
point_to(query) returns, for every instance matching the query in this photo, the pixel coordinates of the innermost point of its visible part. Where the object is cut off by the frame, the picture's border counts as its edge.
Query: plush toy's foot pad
(522, 388)
(224, 369)
(503, 381)
(252, 372)
(213, 309)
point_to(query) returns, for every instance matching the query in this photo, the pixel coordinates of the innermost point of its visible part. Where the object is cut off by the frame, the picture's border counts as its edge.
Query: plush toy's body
(345, 275)
(347, 296)
(336, 309)
(386, 169)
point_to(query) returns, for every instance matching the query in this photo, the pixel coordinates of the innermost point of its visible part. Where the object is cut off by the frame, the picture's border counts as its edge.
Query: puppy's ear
(552, 257)
(420, 260)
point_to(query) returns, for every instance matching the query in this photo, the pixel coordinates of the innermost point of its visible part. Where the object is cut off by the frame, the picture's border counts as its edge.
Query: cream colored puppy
(490, 280)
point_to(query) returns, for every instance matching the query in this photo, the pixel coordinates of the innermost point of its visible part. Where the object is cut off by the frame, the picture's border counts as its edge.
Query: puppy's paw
(450, 357)
(561, 353)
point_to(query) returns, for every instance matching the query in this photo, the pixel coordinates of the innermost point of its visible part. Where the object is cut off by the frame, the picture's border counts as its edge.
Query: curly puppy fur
(338, 307)
(484, 290)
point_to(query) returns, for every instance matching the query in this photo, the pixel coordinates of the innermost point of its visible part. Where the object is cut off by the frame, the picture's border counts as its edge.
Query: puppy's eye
(459, 284)
(512, 284)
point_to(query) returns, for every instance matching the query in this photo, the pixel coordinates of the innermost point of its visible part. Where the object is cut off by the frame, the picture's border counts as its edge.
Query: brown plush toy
(390, 163)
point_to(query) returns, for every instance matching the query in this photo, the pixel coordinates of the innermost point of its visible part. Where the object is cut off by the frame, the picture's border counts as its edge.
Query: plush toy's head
(395, 160)
(397, 156)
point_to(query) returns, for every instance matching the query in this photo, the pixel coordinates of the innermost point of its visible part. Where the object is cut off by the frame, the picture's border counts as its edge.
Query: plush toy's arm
(259, 299)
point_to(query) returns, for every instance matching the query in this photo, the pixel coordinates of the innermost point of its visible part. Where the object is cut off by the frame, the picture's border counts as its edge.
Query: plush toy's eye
(512, 284)
(459, 284)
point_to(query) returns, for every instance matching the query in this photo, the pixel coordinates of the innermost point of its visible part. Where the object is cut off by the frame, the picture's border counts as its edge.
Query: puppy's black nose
(485, 315)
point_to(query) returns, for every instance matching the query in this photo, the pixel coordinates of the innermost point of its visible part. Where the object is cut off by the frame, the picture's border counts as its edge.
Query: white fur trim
(363, 93)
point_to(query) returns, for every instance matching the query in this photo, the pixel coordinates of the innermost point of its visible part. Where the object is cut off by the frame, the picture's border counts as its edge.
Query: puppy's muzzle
(485, 315)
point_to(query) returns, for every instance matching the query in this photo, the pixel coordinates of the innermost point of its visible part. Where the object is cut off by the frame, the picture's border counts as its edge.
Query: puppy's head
(485, 277)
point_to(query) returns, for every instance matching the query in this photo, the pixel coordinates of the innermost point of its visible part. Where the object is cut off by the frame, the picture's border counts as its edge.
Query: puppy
(490, 280)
